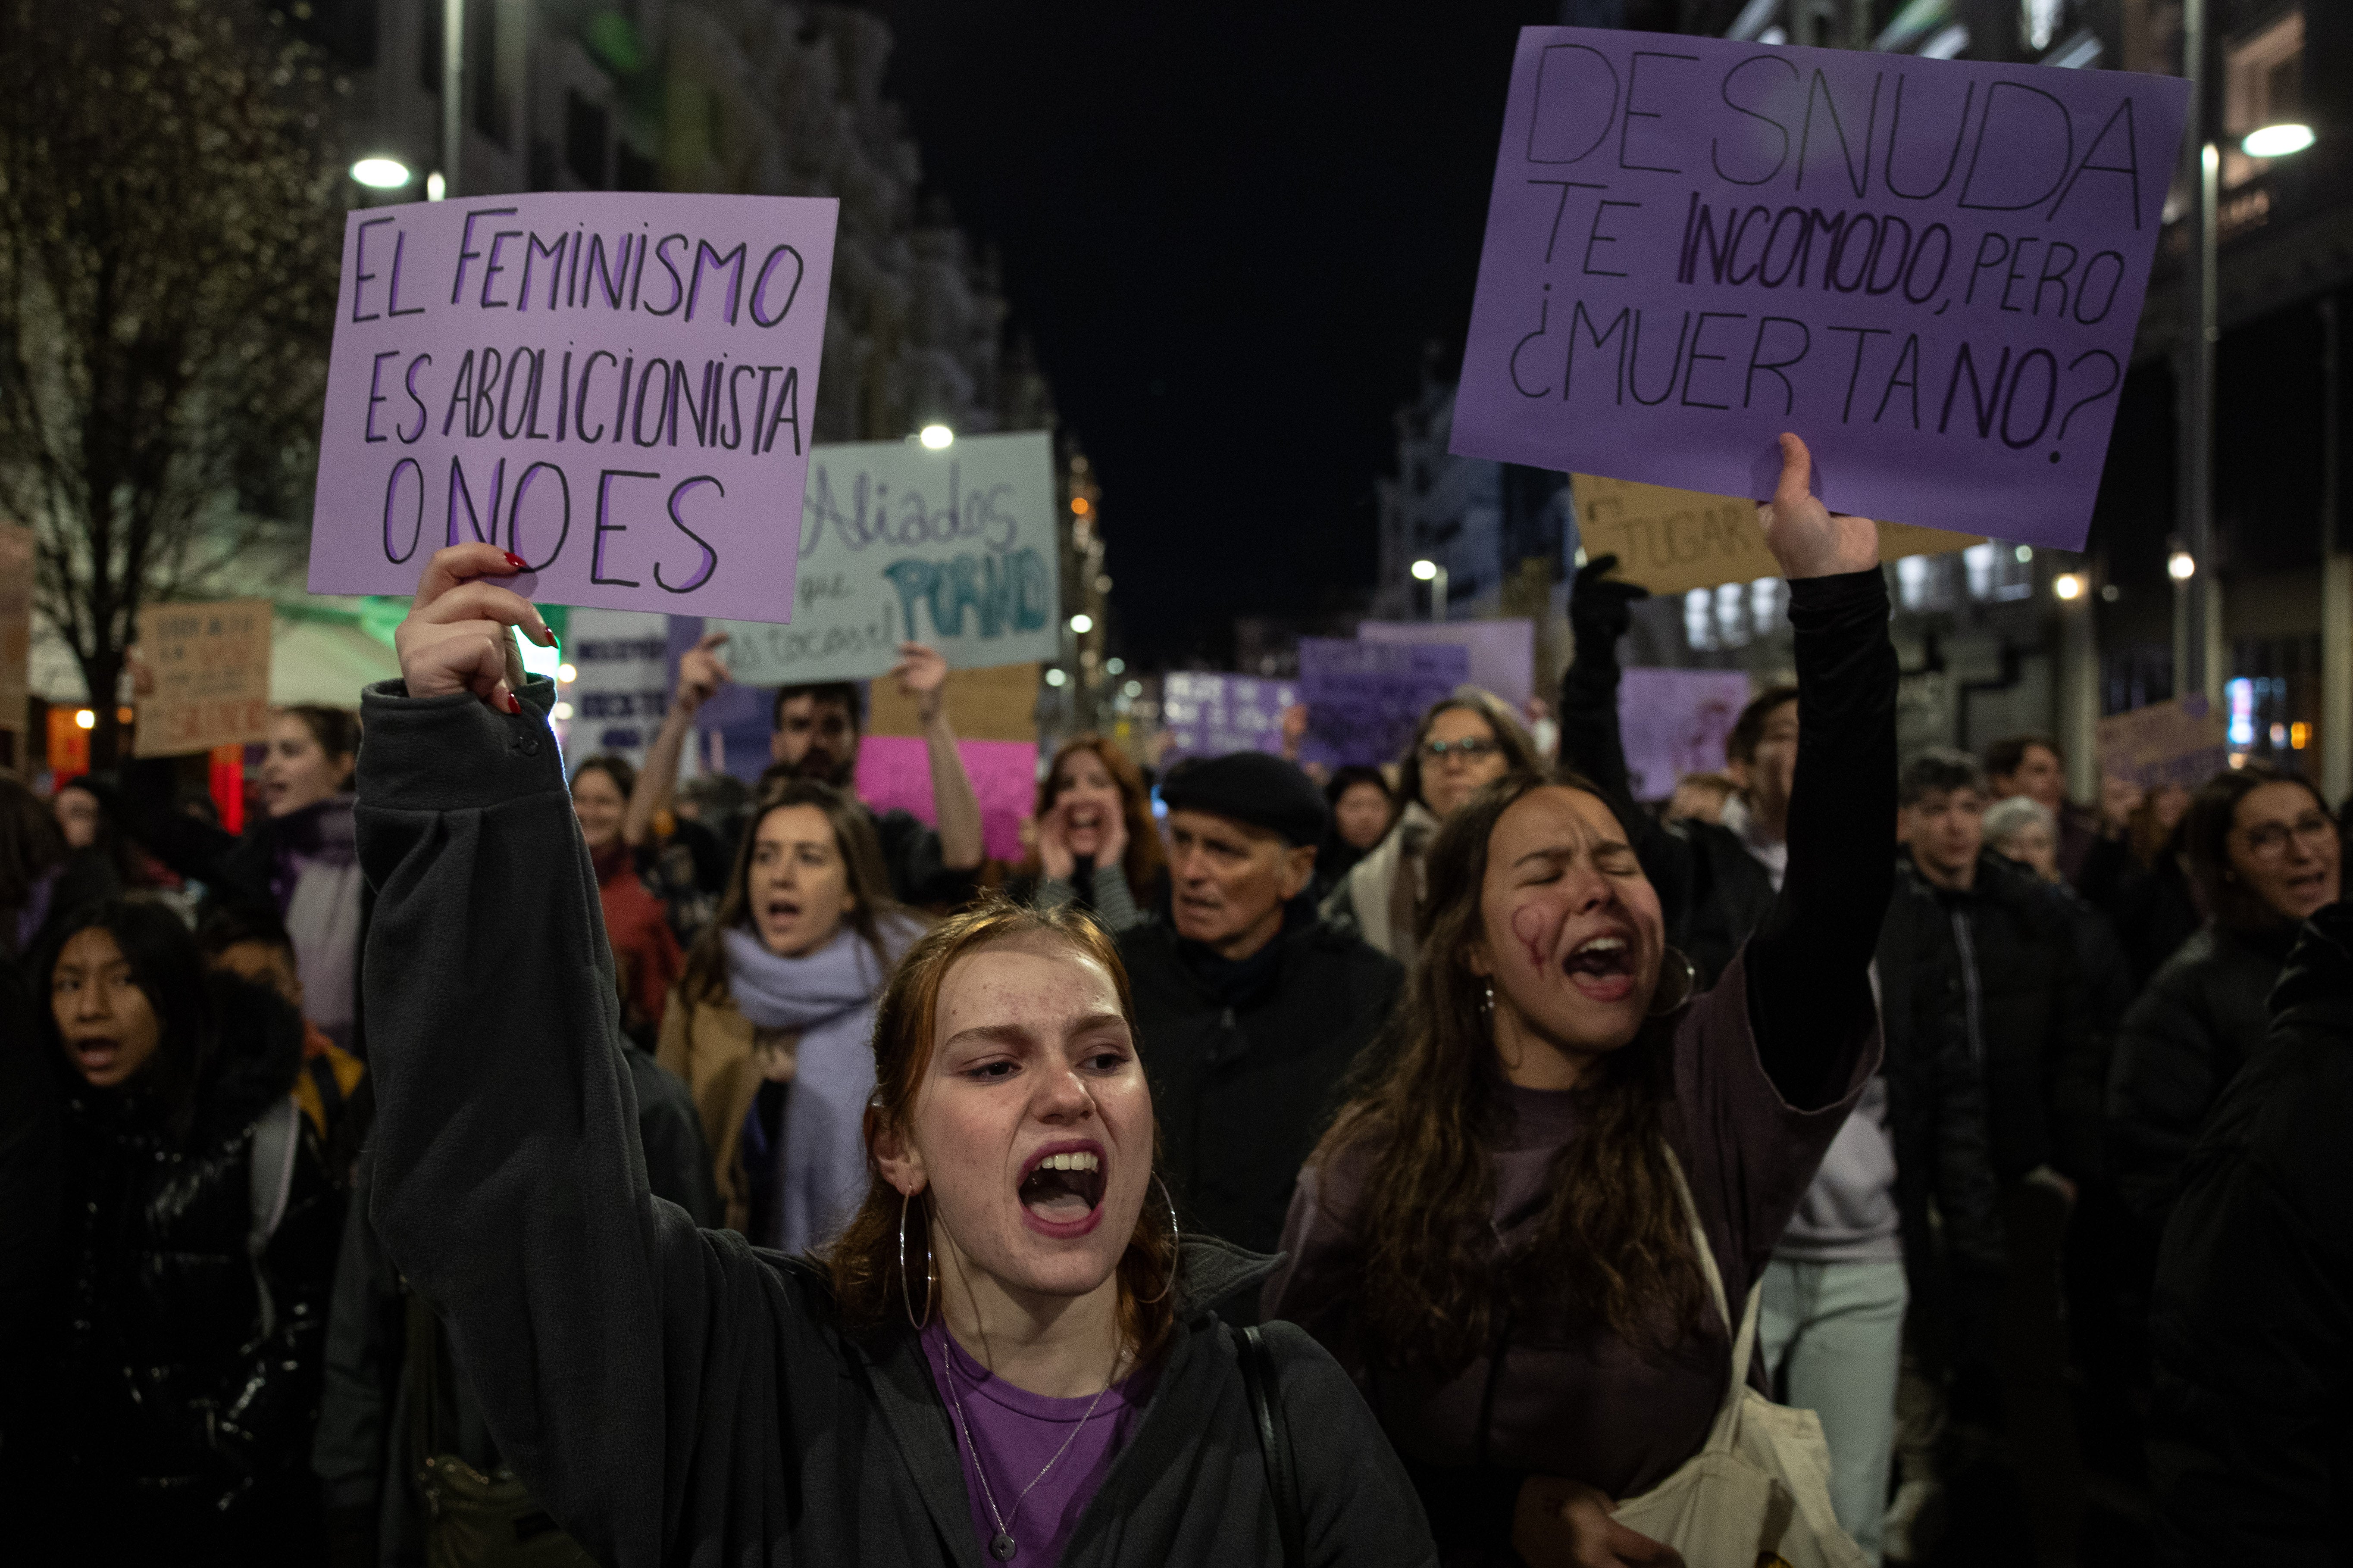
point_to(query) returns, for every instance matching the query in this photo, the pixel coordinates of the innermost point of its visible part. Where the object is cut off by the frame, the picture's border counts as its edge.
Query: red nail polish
(517, 561)
(514, 705)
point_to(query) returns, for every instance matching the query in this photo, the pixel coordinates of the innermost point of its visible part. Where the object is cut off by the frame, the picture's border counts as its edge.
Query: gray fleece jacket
(670, 1395)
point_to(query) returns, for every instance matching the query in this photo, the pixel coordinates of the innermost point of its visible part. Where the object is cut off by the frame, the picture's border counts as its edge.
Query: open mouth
(780, 911)
(1061, 1190)
(1602, 967)
(94, 1056)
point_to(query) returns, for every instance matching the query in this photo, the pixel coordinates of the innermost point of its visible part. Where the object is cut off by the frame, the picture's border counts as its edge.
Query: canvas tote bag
(1758, 1494)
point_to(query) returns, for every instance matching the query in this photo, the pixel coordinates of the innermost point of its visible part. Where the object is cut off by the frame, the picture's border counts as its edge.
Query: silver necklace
(1001, 1545)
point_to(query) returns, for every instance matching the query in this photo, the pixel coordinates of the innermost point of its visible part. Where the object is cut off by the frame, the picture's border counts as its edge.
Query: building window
(584, 139)
(1731, 615)
(1767, 597)
(2263, 84)
(1999, 574)
(1699, 620)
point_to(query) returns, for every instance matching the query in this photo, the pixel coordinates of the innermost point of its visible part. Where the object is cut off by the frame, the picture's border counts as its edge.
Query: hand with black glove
(1600, 608)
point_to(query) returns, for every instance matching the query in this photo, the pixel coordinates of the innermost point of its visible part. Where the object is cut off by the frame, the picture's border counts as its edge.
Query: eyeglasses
(2269, 840)
(1471, 748)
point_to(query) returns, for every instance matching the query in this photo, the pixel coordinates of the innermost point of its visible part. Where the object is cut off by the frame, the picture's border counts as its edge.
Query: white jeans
(1832, 1338)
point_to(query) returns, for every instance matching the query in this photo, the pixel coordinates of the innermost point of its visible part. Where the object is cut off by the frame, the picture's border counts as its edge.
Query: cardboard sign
(16, 632)
(616, 386)
(1502, 653)
(211, 664)
(1673, 541)
(957, 548)
(1364, 698)
(1930, 270)
(1674, 721)
(1209, 715)
(998, 703)
(894, 772)
(621, 688)
(2184, 741)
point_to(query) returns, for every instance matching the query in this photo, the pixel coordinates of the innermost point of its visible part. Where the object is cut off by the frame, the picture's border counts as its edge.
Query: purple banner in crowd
(1674, 721)
(1502, 653)
(1930, 270)
(1210, 715)
(616, 386)
(1364, 699)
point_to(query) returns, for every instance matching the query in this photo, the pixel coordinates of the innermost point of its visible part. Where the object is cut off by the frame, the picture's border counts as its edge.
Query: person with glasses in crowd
(2264, 854)
(1468, 739)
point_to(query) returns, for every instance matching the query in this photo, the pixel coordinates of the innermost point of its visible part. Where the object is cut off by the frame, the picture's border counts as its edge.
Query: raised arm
(922, 675)
(1808, 969)
(700, 673)
(508, 1185)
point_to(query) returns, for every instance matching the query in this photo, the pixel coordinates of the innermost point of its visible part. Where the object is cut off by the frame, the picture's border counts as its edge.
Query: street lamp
(2277, 140)
(938, 437)
(380, 174)
(1082, 623)
(2181, 566)
(2068, 585)
(1431, 573)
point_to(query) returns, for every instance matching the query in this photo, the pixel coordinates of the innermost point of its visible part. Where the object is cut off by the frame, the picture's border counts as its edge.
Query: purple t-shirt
(1017, 1432)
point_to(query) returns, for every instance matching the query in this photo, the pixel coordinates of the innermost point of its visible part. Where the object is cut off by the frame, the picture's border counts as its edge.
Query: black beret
(1253, 787)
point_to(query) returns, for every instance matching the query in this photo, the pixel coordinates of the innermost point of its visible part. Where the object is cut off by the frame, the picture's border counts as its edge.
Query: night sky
(1231, 229)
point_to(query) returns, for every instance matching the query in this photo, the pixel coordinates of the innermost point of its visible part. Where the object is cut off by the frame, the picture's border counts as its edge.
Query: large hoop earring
(906, 1291)
(1684, 990)
(1175, 1235)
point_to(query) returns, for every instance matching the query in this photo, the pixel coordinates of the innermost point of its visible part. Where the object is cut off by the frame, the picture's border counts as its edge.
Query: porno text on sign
(616, 387)
(1673, 541)
(211, 668)
(1930, 270)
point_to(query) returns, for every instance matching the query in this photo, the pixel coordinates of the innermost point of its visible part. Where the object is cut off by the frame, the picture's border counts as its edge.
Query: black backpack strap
(1274, 1445)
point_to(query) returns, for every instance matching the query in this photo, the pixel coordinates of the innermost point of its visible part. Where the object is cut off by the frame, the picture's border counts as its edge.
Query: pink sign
(1674, 721)
(1930, 270)
(616, 386)
(895, 772)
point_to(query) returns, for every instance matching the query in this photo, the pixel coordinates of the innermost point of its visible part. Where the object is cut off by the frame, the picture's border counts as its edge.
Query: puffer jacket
(2179, 1048)
(182, 1413)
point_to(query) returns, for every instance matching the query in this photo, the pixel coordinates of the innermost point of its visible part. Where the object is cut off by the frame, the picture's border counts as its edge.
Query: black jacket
(31, 1131)
(1246, 1077)
(2250, 1455)
(669, 1394)
(181, 1411)
(362, 1451)
(2179, 1046)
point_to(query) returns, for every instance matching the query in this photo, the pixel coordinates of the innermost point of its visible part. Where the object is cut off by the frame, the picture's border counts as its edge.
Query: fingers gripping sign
(457, 635)
(1807, 537)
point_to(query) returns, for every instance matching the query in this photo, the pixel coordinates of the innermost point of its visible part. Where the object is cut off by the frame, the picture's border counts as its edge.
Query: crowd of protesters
(483, 1161)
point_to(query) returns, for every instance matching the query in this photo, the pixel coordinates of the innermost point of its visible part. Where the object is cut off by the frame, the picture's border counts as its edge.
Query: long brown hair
(1145, 861)
(705, 977)
(1611, 1249)
(1518, 749)
(868, 1285)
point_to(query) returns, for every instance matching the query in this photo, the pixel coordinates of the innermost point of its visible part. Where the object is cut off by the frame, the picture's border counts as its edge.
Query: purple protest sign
(1502, 653)
(616, 386)
(1210, 715)
(1674, 721)
(1364, 699)
(1930, 270)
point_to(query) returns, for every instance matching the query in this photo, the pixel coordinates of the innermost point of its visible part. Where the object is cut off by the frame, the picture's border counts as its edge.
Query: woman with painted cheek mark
(1008, 1356)
(1536, 1236)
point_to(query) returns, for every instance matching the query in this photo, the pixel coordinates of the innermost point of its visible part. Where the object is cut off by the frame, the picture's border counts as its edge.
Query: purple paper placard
(1364, 699)
(616, 386)
(1674, 721)
(1502, 653)
(1210, 715)
(1930, 270)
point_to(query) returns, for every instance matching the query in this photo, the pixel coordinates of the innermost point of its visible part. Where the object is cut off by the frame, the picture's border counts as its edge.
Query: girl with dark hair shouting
(1503, 1235)
(1008, 1357)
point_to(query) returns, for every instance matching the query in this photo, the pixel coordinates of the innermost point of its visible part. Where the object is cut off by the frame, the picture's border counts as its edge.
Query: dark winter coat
(31, 1130)
(1247, 1069)
(669, 1394)
(361, 1453)
(181, 1411)
(2251, 1459)
(2179, 1046)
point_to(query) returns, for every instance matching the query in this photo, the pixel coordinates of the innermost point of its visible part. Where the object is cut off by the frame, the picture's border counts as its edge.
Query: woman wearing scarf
(769, 1024)
(1097, 846)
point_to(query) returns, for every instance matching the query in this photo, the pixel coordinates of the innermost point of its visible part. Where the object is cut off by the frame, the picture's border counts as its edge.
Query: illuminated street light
(567, 673)
(380, 174)
(85, 720)
(1082, 623)
(436, 187)
(2277, 140)
(1116, 665)
(1424, 571)
(2181, 568)
(560, 712)
(2067, 585)
(1055, 677)
(938, 437)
